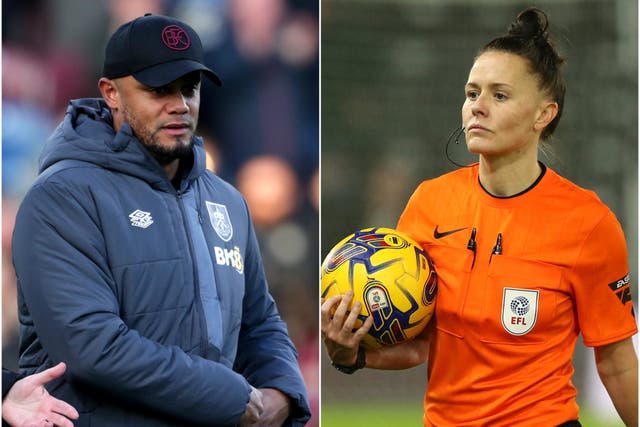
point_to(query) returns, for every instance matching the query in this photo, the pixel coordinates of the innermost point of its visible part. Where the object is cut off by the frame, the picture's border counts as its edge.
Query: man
(139, 268)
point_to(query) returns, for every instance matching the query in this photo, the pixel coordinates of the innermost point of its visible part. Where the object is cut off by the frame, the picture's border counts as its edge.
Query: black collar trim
(542, 172)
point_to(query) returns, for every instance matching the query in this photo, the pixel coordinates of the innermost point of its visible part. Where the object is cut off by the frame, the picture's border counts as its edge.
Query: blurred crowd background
(260, 129)
(392, 88)
(393, 76)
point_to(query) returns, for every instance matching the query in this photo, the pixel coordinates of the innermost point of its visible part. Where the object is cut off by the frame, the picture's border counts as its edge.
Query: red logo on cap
(175, 38)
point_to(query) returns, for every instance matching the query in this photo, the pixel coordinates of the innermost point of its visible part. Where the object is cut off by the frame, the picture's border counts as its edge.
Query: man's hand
(29, 404)
(272, 410)
(254, 409)
(276, 408)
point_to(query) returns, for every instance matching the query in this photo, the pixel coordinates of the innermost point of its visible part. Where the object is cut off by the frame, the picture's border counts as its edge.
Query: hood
(86, 134)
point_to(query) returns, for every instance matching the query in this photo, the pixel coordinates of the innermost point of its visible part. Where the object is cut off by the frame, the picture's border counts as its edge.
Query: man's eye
(500, 96)
(472, 94)
(190, 90)
(162, 90)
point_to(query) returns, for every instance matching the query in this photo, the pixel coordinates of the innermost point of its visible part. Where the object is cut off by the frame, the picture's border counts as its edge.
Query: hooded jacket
(155, 298)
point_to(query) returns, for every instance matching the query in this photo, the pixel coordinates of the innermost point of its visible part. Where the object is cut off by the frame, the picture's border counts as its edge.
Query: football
(392, 277)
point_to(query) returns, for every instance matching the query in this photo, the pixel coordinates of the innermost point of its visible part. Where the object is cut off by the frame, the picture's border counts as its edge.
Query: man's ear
(110, 93)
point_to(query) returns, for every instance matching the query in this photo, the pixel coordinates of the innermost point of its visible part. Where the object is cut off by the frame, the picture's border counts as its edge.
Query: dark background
(392, 86)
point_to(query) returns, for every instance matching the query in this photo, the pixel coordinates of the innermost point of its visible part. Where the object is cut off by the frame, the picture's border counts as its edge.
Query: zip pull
(471, 245)
(497, 249)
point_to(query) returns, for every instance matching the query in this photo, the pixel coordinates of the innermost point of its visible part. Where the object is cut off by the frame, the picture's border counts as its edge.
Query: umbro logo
(439, 235)
(140, 218)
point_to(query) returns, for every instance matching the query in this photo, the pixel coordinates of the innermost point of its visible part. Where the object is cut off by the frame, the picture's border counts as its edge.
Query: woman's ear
(546, 114)
(110, 94)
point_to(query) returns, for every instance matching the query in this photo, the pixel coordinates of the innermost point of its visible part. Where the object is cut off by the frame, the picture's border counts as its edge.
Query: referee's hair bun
(528, 37)
(531, 23)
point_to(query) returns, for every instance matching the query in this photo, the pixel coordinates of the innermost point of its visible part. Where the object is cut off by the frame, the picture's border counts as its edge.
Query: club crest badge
(220, 220)
(519, 310)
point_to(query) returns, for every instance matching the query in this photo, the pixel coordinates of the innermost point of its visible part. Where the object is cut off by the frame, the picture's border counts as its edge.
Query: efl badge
(519, 310)
(220, 220)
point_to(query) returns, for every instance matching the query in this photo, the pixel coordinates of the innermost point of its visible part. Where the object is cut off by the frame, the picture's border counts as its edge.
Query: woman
(526, 261)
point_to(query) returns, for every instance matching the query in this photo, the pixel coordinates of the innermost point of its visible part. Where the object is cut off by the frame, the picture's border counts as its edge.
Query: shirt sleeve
(408, 221)
(601, 285)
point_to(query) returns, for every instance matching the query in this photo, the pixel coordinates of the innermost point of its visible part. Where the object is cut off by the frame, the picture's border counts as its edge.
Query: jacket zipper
(204, 343)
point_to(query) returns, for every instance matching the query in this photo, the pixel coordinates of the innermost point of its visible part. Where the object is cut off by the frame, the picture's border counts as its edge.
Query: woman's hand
(338, 333)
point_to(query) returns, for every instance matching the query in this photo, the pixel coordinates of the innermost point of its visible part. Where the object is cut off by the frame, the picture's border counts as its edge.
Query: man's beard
(163, 154)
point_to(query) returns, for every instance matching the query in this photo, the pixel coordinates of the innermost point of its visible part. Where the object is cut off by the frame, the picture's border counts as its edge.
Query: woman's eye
(500, 96)
(472, 94)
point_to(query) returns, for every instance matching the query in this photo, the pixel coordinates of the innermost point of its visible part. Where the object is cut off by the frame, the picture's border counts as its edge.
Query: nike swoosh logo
(440, 235)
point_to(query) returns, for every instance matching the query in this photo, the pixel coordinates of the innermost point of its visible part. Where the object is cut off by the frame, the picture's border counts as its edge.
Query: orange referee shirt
(518, 279)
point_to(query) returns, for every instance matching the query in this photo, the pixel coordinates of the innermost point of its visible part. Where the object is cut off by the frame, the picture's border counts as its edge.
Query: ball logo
(394, 241)
(175, 38)
(519, 310)
(376, 298)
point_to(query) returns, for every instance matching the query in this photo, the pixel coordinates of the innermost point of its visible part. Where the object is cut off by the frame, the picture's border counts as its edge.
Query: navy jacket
(109, 259)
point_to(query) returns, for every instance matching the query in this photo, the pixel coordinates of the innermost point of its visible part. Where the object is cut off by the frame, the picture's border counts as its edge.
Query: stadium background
(261, 128)
(392, 79)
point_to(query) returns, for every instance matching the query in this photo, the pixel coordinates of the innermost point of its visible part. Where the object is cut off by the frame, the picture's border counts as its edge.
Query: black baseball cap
(155, 50)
